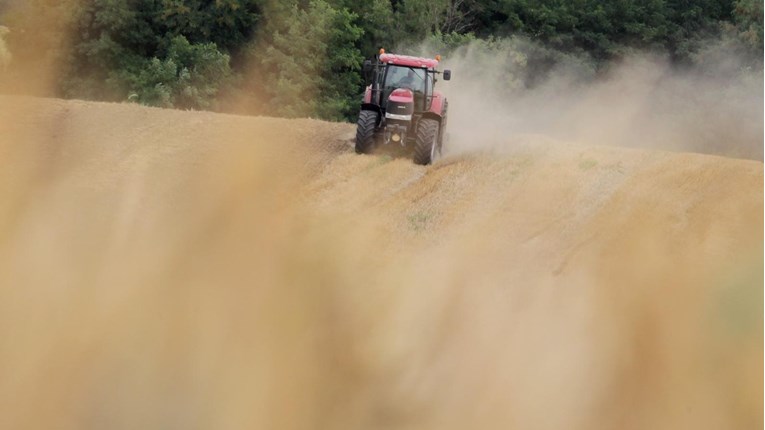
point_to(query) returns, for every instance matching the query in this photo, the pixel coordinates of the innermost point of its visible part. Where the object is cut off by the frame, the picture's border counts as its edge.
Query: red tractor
(400, 106)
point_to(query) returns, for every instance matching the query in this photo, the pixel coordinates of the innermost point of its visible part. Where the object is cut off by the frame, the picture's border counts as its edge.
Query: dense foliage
(302, 57)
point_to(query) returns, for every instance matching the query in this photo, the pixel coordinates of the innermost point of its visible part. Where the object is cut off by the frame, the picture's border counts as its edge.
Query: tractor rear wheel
(365, 131)
(426, 141)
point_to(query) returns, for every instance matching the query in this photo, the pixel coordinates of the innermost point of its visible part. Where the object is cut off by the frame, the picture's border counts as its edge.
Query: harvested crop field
(171, 269)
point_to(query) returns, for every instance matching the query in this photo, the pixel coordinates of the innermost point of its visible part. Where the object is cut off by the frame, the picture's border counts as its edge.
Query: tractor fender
(440, 114)
(371, 106)
(368, 95)
(432, 115)
(438, 104)
(374, 108)
(441, 117)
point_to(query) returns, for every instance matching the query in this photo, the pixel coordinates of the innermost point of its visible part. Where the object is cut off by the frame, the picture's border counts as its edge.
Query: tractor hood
(401, 95)
(400, 105)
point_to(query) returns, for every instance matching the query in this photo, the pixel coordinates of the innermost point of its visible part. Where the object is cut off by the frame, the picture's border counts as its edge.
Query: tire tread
(427, 131)
(365, 131)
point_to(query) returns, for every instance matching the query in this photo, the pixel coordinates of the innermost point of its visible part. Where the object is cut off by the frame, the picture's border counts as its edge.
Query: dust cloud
(641, 102)
(34, 60)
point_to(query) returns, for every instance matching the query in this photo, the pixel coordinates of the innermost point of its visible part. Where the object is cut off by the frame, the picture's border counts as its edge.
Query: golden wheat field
(164, 269)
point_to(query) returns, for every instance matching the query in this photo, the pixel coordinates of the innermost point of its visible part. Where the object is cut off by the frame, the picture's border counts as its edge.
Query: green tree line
(303, 57)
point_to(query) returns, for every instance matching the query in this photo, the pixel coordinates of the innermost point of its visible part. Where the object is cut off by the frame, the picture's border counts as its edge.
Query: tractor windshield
(405, 77)
(408, 77)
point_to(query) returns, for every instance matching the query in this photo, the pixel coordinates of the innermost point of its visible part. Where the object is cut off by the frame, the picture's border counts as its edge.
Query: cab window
(405, 77)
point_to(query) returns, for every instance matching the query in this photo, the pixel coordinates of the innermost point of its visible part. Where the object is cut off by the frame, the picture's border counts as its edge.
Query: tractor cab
(399, 96)
(407, 78)
(392, 72)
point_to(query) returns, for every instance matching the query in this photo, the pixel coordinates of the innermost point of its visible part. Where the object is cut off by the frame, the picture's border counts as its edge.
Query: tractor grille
(396, 108)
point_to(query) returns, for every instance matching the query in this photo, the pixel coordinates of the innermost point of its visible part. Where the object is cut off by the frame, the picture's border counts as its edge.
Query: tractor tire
(365, 131)
(426, 141)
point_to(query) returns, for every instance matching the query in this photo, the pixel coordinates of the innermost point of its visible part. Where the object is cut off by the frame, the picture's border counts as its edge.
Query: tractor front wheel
(365, 131)
(426, 141)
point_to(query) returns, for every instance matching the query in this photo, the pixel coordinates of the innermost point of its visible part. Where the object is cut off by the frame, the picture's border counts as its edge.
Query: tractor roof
(405, 60)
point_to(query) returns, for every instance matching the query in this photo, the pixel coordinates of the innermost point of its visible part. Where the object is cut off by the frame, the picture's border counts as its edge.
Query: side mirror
(447, 75)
